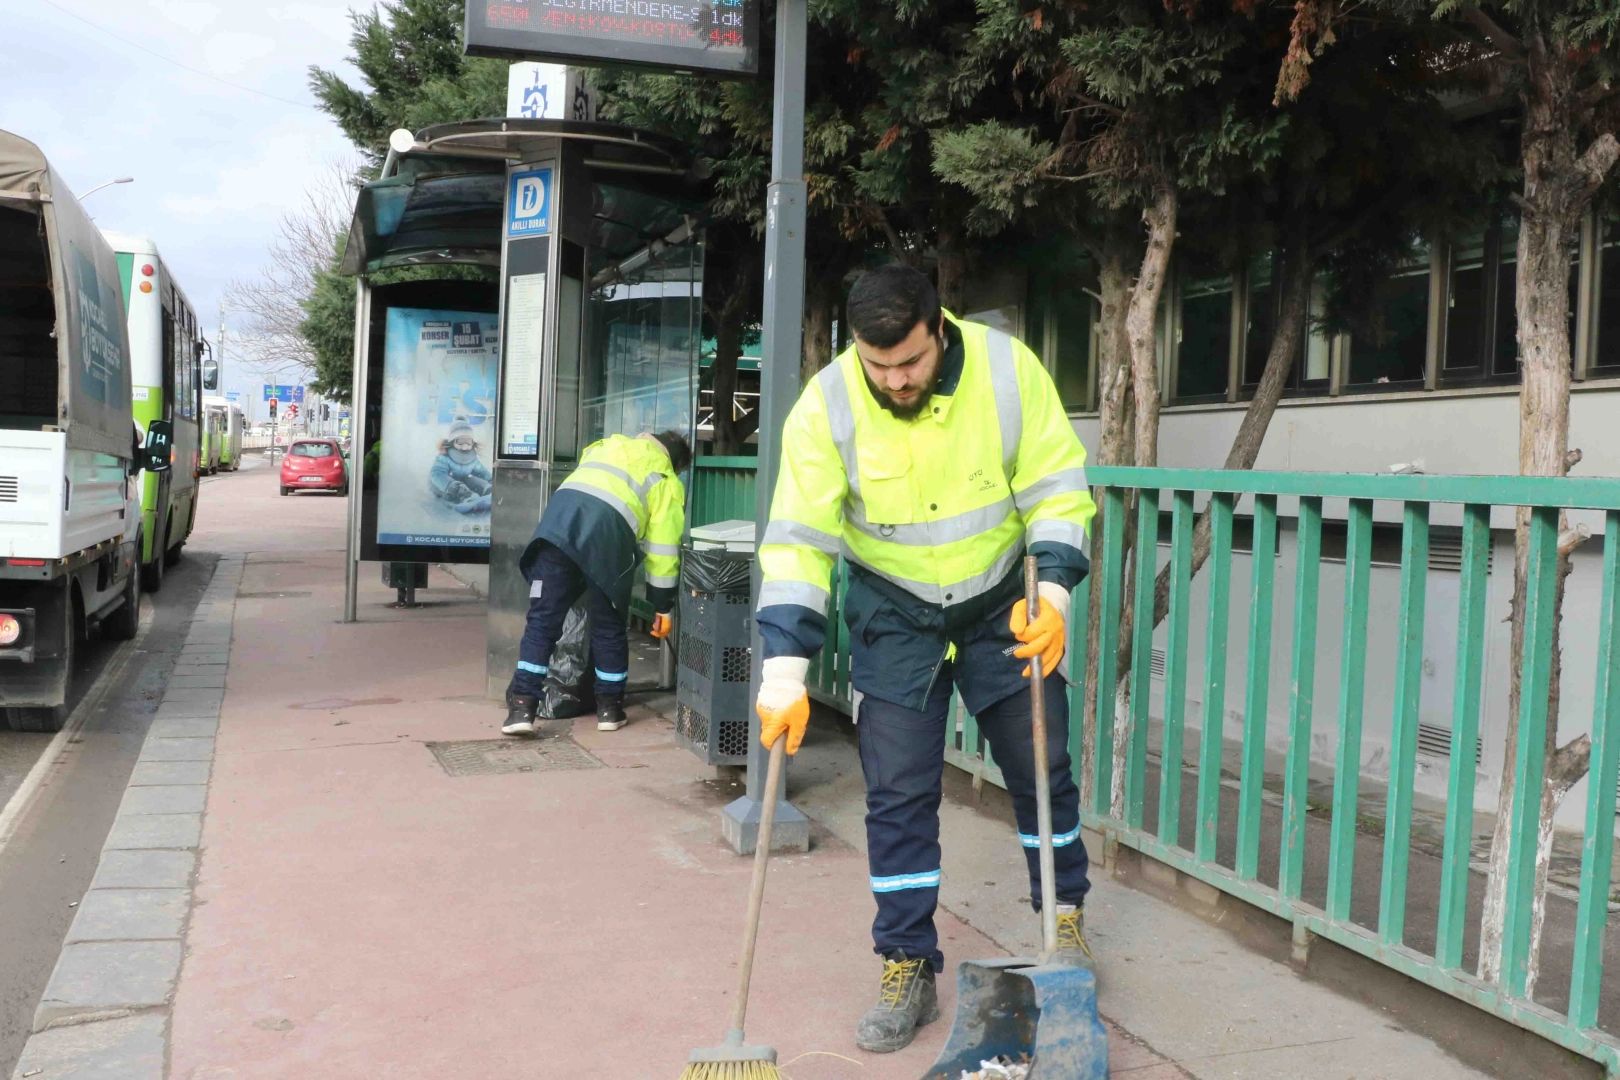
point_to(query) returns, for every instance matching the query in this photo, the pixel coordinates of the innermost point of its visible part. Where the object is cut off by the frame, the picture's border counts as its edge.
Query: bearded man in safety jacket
(622, 503)
(932, 455)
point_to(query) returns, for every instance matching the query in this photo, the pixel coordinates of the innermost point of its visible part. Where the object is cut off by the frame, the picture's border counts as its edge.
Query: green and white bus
(166, 346)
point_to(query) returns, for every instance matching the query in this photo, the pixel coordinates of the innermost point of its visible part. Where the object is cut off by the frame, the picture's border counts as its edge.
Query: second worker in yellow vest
(931, 455)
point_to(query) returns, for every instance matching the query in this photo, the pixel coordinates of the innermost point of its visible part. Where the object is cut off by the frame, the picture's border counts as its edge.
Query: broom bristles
(732, 1070)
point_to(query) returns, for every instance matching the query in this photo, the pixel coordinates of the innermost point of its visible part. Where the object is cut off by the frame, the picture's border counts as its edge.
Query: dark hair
(678, 449)
(886, 304)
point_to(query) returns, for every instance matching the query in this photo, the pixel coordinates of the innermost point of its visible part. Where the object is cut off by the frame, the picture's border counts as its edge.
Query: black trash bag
(570, 681)
(714, 571)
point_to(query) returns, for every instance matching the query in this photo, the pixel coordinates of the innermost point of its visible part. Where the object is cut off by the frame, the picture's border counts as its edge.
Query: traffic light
(326, 412)
(272, 408)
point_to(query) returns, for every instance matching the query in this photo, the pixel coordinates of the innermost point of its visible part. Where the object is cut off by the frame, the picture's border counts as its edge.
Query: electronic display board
(711, 36)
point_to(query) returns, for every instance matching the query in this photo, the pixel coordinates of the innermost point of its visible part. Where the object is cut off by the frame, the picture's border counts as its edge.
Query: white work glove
(784, 702)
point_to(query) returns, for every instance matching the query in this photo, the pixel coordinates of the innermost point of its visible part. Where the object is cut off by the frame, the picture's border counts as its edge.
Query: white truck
(71, 453)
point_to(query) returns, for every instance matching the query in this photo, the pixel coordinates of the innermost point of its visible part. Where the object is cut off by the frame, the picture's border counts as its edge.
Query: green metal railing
(1196, 854)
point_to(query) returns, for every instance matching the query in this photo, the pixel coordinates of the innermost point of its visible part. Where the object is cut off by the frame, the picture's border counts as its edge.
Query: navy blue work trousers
(903, 757)
(556, 585)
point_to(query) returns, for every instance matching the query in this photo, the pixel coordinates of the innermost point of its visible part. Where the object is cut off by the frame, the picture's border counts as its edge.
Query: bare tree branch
(268, 308)
(1492, 31)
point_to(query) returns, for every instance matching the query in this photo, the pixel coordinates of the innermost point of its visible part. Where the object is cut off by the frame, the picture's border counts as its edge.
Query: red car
(314, 465)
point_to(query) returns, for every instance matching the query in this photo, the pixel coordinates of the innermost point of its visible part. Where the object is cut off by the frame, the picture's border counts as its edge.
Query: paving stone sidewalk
(105, 1012)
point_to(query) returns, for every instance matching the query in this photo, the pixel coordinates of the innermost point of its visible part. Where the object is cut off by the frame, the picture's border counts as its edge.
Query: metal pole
(779, 380)
(357, 458)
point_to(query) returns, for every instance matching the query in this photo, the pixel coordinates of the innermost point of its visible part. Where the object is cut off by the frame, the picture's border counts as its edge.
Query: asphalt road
(50, 849)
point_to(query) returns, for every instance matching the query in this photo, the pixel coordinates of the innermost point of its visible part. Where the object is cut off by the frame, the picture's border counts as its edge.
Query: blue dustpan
(1020, 1008)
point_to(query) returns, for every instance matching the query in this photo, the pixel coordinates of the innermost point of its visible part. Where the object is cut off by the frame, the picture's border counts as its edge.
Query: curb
(105, 1011)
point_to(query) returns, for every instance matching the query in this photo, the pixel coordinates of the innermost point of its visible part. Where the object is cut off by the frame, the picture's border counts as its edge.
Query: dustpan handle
(1043, 779)
(756, 891)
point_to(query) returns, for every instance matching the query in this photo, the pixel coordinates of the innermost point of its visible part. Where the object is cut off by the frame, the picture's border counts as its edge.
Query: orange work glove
(784, 703)
(1046, 637)
(662, 625)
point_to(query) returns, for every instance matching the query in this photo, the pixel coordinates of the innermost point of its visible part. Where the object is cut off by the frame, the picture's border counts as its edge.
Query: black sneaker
(520, 710)
(610, 714)
(906, 1001)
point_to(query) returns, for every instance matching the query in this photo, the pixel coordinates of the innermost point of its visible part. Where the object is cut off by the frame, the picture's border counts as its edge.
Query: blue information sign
(528, 204)
(283, 393)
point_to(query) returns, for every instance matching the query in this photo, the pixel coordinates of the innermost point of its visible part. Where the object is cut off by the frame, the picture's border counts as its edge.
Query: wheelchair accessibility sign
(528, 204)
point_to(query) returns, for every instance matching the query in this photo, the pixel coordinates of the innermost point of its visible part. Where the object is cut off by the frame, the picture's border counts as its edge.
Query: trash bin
(711, 695)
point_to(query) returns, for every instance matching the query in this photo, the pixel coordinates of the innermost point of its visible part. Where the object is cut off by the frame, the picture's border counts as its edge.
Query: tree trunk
(820, 307)
(1142, 322)
(1565, 767)
(1113, 392)
(951, 266)
(1558, 183)
(728, 434)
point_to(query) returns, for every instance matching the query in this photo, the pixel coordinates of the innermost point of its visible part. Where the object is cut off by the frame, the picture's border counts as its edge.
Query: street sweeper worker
(622, 504)
(933, 454)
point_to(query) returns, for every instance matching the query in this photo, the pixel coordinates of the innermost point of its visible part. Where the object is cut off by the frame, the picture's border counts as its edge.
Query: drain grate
(494, 757)
(269, 595)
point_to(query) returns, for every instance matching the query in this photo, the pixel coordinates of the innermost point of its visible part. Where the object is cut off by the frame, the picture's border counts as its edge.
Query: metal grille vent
(1445, 552)
(1157, 664)
(697, 654)
(694, 727)
(733, 738)
(737, 597)
(9, 487)
(1435, 741)
(734, 663)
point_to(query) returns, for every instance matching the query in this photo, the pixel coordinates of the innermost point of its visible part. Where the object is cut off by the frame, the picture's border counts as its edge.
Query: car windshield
(312, 449)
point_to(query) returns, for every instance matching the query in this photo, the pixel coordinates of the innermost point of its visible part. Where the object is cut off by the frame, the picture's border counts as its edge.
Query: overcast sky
(99, 85)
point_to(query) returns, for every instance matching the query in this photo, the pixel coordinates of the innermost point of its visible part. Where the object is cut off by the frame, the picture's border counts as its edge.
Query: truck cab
(71, 453)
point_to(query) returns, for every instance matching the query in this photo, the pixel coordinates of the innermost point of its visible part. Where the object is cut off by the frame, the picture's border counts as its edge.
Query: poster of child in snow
(435, 481)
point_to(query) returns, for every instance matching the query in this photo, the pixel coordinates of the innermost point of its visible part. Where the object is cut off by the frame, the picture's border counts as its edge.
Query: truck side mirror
(210, 374)
(159, 449)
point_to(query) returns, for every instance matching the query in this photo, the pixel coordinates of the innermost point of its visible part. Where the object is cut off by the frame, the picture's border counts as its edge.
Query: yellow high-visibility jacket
(621, 503)
(941, 508)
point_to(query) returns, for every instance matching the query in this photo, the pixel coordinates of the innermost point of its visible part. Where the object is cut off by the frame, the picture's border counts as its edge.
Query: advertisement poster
(435, 479)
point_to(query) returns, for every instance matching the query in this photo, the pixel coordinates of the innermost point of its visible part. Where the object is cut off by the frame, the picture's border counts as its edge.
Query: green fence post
(1352, 689)
(1175, 667)
(1404, 726)
(1301, 697)
(1526, 805)
(1263, 575)
(1476, 555)
(1113, 574)
(1147, 565)
(1597, 850)
(1215, 635)
(1079, 611)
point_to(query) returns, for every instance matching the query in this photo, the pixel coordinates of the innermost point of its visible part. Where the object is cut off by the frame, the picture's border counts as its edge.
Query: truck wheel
(125, 623)
(172, 556)
(152, 574)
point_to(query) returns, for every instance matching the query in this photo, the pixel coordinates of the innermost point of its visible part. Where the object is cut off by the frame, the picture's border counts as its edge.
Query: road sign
(283, 392)
(720, 37)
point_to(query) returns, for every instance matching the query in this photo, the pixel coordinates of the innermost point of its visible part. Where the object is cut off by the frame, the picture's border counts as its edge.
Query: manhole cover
(491, 757)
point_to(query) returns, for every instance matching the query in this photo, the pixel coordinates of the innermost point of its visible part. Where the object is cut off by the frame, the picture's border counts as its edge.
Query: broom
(732, 1060)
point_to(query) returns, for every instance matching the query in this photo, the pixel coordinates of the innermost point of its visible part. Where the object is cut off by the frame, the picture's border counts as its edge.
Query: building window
(1604, 350)
(1062, 321)
(1392, 349)
(1203, 330)
(1312, 363)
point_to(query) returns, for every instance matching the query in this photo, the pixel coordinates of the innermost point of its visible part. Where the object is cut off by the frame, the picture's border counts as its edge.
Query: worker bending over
(623, 500)
(932, 453)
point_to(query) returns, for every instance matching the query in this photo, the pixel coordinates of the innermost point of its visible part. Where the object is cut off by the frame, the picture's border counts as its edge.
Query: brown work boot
(906, 1001)
(1073, 949)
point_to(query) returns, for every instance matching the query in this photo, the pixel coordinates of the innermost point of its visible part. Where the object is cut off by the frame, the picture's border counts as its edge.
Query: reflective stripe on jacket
(942, 507)
(620, 505)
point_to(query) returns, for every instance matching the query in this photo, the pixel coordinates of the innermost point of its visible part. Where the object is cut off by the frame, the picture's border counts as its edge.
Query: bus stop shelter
(575, 314)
